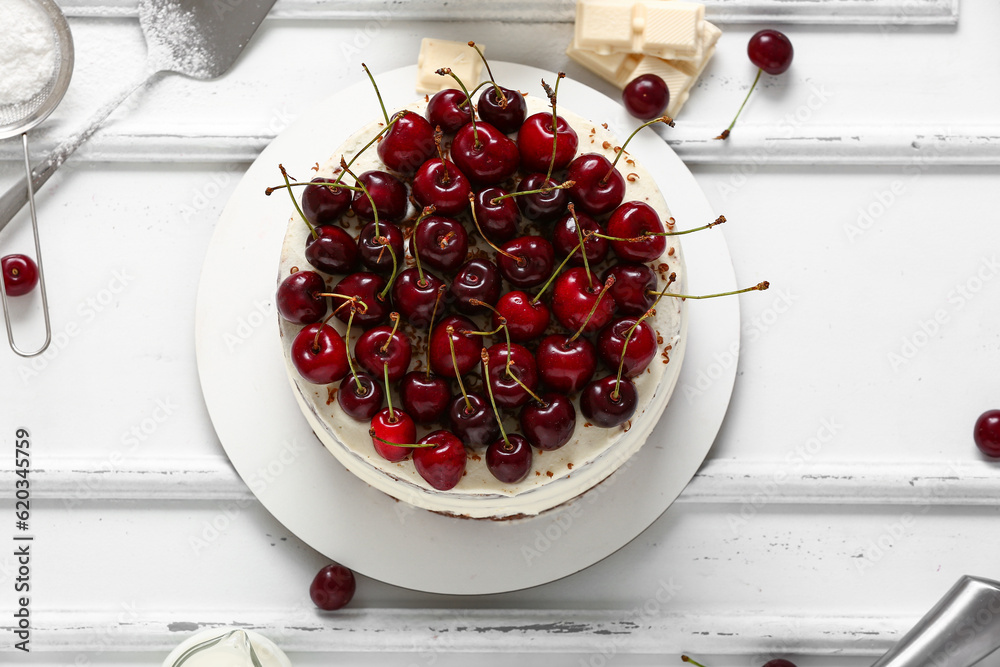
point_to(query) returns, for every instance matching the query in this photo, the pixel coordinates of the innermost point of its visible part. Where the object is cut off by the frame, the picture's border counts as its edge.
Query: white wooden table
(843, 496)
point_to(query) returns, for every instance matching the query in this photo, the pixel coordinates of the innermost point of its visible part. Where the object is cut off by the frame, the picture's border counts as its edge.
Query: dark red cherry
(630, 221)
(542, 206)
(319, 359)
(484, 154)
(360, 396)
(298, 299)
(771, 51)
(534, 141)
(442, 185)
(448, 109)
(367, 287)
(414, 298)
(20, 274)
(633, 282)
(324, 205)
(379, 347)
(598, 188)
(499, 221)
(506, 391)
(442, 242)
(603, 405)
(408, 143)
(639, 352)
(565, 366)
(476, 279)
(332, 587)
(779, 662)
(466, 346)
(526, 320)
(548, 425)
(646, 97)
(425, 397)
(987, 433)
(334, 251)
(374, 255)
(532, 262)
(507, 113)
(509, 460)
(574, 296)
(565, 239)
(442, 465)
(473, 420)
(394, 426)
(388, 193)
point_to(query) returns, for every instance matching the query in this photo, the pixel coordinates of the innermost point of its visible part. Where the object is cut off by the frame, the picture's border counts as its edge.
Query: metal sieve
(20, 117)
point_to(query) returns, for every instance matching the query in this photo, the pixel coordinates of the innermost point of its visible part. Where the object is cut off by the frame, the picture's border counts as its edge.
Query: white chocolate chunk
(669, 29)
(437, 53)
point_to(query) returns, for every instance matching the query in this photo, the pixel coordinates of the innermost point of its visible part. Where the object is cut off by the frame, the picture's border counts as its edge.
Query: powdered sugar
(28, 51)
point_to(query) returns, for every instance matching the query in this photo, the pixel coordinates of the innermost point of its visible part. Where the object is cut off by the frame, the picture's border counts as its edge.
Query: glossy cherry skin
(414, 298)
(771, 51)
(987, 433)
(322, 359)
(573, 297)
(534, 141)
(499, 221)
(601, 406)
(564, 366)
(506, 391)
(509, 460)
(638, 354)
(779, 662)
(473, 422)
(535, 258)
(408, 143)
(484, 154)
(332, 587)
(442, 242)
(375, 256)
(297, 298)
(633, 282)
(369, 352)
(598, 188)
(367, 287)
(442, 465)
(360, 396)
(548, 425)
(646, 96)
(394, 426)
(20, 274)
(334, 251)
(476, 279)
(323, 205)
(526, 320)
(448, 109)
(442, 185)
(467, 346)
(508, 117)
(631, 220)
(541, 207)
(565, 239)
(388, 193)
(425, 397)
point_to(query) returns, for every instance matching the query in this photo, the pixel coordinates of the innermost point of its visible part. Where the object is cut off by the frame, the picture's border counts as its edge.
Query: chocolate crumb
(331, 395)
(632, 177)
(670, 253)
(569, 465)
(549, 473)
(604, 125)
(294, 269)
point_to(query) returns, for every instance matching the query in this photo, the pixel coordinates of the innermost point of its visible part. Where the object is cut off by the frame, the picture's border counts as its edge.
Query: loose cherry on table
(388, 193)
(646, 96)
(609, 401)
(771, 51)
(20, 275)
(392, 425)
(548, 424)
(376, 255)
(449, 109)
(298, 298)
(323, 205)
(331, 249)
(565, 365)
(987, 433)
(442, 462)
(332, 587)
(319, 354)
(425, 397)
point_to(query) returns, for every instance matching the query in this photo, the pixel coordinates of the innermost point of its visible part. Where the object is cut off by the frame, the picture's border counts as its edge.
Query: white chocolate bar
(437, 53)
(669, 29)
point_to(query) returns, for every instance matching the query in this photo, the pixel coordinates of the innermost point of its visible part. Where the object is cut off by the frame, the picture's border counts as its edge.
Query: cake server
(196, 38)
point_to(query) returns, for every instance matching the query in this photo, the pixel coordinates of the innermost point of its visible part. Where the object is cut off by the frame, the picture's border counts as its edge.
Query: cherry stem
(475, 220)
(428, 210)
(470, 332)
(485, 356)
(604, 290)
(315, 343)
(388, 394)
(558, 269)
(347, 342)
(621, 151)
(725, 132)
(438, 135)
(430, 327)
(446, 71)
(347, 299)
(552, 94)
(364, 189)
(540, 191)
(394, 317)
(371, 432)
(524, 386)
(500, 95)
(583, 250)
(329, 186)
(454, 362)
(758, 287)
(365, 147)
(288, 183)
(384, 242)
(377, 93)
(646, 234)
(687, 659)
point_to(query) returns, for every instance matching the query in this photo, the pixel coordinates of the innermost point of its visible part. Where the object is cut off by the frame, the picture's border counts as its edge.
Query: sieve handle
(16, 197)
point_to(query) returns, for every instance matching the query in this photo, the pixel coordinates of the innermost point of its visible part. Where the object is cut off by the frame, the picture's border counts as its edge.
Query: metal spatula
(197, 38)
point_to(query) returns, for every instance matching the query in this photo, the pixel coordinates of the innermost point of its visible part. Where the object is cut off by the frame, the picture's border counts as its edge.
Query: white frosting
(557, 476)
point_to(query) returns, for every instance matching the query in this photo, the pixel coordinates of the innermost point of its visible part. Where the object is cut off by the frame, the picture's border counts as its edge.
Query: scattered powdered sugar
(178, 39)
(28, 51)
